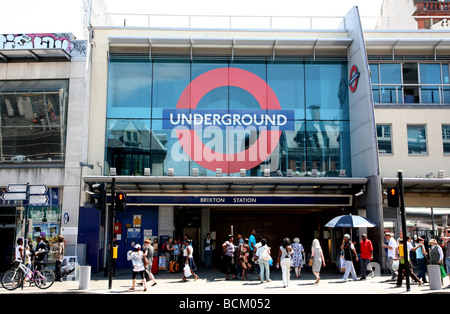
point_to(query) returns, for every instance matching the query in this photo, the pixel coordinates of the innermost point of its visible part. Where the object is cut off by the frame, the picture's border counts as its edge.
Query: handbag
(145, 260)
(311, 260)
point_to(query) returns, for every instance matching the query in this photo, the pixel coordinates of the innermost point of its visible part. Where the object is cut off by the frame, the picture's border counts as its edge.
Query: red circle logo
(229, 163)
(354, 76)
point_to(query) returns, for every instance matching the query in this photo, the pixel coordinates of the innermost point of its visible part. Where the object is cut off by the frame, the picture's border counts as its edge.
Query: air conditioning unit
(441, 173)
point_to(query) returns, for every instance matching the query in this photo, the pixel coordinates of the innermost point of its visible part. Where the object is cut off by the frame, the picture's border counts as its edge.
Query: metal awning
(8, 55)
(439, 185)
(231, 42)
(230, 184)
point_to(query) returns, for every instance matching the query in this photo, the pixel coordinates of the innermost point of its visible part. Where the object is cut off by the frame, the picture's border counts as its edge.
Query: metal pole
(111, 234)
(405, 243)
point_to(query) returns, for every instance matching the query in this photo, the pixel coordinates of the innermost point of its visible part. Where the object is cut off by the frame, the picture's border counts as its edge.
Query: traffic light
(393, 198)
(121, 201)
(98, 196)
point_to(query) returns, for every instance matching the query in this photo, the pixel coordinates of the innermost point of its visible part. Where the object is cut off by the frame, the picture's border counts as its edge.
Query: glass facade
(33, 121)
(410, 82)
(210, 113)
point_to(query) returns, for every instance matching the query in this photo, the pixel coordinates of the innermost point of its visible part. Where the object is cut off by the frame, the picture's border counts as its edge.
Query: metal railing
(243, 22)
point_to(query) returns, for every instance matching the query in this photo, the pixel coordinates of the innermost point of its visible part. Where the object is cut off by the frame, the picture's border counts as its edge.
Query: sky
(65, 16)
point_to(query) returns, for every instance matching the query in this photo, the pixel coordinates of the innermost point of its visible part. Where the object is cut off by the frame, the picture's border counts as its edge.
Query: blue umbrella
(350, 221)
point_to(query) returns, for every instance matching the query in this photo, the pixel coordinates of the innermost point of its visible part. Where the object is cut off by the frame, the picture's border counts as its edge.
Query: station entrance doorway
(272, 224)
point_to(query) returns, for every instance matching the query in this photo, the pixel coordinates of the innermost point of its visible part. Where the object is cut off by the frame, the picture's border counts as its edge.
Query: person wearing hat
(58, 254)
(349, 251)
(136, 257)
(436, 253)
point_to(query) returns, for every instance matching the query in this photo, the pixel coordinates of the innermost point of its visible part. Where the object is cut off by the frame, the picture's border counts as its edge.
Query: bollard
(85, 277)
(434, 276)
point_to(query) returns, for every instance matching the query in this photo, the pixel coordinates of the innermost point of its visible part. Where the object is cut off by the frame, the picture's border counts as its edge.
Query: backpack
(163, 248)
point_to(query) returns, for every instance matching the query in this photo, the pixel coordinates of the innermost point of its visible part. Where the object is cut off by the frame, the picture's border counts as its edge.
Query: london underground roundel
(256, 153)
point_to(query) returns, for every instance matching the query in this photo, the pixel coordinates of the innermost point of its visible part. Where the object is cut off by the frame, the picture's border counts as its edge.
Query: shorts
(138, 272)
(447, 264)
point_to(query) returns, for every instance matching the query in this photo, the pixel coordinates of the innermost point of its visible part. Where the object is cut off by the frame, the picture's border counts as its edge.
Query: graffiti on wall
(65, 41)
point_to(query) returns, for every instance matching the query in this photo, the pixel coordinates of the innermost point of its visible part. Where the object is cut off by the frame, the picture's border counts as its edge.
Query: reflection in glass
(417, 139)
(33, 121)
(128, 145)
(446, 138)
(384, 138)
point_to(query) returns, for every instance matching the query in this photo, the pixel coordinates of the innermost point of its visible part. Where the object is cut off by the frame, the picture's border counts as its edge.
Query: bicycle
(15, 278)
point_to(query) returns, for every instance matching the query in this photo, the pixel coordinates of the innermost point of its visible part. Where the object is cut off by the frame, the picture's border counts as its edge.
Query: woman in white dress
(318, 259)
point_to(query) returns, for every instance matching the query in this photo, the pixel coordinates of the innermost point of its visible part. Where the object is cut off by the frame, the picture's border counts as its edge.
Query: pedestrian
(421, 259)
(58, 254)
(436, 253)
(208, 251)
(189, 259)
(40, 254)
(149, 250)
(400, 251)
(229, 267)
(263, 255)
(176, 251)
(391, 246)
(155, 246)
(445, 236)
(30, 255)
(349, 251)
(168, 252)
(19, 253)
(284, 260)
(318, 259)
(297, 257)
(243, 258)
(240, 240)
(253, 248)
(366, 254)
(136, 257)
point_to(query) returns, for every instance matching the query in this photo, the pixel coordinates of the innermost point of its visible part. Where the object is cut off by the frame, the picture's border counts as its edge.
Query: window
(33, 121)
(417, 139)
(384, 138)
(446, 138)
(409, 82)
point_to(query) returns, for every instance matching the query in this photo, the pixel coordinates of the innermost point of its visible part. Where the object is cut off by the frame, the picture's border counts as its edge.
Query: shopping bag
(443, 272)
(342, 264)
(187, 271)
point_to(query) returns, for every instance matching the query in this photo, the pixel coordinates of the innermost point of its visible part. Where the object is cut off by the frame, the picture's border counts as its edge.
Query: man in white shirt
(391, 246)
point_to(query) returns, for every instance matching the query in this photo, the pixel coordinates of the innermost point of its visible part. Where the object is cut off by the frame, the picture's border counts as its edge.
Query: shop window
(33, 121)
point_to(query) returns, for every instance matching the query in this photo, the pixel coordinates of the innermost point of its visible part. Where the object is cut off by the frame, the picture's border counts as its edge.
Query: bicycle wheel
(44, 279)
(12, 279)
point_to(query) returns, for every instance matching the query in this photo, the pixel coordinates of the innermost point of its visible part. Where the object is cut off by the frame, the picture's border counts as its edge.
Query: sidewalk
(214, 283)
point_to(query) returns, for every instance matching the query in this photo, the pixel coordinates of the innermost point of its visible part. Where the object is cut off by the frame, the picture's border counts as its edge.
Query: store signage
(12, 196)
(243, 200)
(189, 123)
(224, 119)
